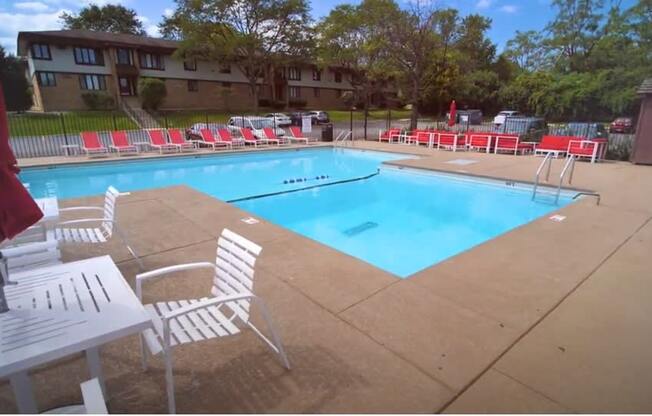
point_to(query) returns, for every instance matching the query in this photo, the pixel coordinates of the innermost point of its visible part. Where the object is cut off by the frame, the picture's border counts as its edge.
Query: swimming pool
(401, 221)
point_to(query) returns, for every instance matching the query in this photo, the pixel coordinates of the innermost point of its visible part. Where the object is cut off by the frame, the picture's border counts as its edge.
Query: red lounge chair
(178, 138)
(91, 143)
(271, 137)
(157, 141)
(480, 141)
(121, 143)
(208, 139)
(249, 137)
(389, 136)
(451, 141)
(226, 137)
(511, 143)
(296, 135)
(429, 138)
(557, 145)
(583, 148)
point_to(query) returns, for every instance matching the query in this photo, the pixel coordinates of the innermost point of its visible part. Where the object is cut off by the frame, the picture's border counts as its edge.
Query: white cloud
(12, 23)
(35, 6)
(168, 12)
(509, 8)
(483, 4)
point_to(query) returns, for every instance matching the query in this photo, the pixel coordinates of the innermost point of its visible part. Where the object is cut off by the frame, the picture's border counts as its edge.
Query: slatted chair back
(176, 136)
(296, 132)
(157, 137)
(234, 272)
(120, 139)
(207, 135)
(110, 199)
(91, 140)
(225, 135)
(248, 134)
(270, 133)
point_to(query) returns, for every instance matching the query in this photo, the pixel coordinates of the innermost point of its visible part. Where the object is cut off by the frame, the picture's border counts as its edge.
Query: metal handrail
(343, 136)
(547, 160)
(595, 194)
(570, 164)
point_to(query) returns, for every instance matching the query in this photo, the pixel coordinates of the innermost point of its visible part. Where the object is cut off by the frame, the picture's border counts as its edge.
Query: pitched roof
(92, 37)
(646, 87)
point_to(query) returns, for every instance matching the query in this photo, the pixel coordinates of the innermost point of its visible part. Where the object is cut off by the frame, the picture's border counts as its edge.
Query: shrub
(620, 151)
(269, 103)
(298, 102)
(152, 92)
(98, 101)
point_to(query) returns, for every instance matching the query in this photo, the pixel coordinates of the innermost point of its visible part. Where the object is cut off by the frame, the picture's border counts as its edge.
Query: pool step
(360, 228)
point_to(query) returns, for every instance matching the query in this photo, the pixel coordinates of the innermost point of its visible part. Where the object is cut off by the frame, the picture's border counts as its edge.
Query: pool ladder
(343, 137)
(569, 168)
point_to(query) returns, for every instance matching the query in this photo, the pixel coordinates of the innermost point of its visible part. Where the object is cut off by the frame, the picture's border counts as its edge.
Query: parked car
(624, 125)
(256, 124)
(280, 119)
(528, 128)
(500, 118)
(319, 116)
(296, 117)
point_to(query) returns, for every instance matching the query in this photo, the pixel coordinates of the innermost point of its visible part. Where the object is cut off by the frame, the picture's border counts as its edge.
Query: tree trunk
(253, 85)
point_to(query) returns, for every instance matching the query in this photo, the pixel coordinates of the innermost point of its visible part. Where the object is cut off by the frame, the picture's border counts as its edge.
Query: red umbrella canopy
(452, 114)
(18, 211)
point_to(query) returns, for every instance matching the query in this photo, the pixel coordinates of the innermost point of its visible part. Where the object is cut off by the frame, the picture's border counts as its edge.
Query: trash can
(327, 132)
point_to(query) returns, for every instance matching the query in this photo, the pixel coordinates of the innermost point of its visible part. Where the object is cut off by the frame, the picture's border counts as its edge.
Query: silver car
(279, 118)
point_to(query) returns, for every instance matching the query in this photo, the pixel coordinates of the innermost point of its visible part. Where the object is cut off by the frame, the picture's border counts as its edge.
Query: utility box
(642, 149)
(327, 133)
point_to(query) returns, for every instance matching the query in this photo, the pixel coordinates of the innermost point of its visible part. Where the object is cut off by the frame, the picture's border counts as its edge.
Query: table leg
(95, 366)
(23, 393)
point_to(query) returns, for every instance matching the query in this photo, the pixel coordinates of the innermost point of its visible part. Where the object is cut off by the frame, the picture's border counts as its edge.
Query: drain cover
(360, 228)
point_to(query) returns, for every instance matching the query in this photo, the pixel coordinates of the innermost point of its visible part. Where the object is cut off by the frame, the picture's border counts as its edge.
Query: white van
(256, 124)
(500, 118)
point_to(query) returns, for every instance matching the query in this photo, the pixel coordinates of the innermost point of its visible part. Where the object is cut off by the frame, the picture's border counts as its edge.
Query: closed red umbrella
(18, 211)
(452, 114)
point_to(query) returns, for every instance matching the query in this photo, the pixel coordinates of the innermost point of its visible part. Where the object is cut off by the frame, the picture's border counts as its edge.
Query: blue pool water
(398, 220)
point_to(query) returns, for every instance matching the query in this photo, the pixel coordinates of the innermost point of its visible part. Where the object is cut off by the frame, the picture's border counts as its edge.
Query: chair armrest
(205, 304)
(28, 248)
(81, 209)
(143, 277)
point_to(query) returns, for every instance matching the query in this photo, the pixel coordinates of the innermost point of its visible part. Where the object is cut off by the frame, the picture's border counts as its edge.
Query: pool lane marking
(247, 198)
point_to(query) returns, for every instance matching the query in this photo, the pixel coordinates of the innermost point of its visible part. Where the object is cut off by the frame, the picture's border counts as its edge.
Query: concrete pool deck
(550, 317)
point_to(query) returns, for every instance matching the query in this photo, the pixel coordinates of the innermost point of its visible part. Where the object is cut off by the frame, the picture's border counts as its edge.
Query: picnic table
(61, 310)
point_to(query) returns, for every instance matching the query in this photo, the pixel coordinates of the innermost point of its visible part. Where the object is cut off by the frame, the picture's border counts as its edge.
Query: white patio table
(61, 310)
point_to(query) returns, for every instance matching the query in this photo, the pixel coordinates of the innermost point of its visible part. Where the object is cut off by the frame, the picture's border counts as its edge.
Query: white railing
(546, 161)
(569, 167)
(343, 136)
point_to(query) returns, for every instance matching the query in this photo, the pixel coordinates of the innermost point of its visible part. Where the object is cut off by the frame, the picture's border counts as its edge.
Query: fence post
(206, 118)
(115, 124)
(63, 128)
(165, 120)
(351, 120)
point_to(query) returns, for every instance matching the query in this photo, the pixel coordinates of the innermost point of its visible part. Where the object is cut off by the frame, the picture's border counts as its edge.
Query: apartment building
(62, 65)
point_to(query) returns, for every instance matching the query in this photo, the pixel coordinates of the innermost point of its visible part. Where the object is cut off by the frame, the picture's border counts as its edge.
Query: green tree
(420, 38)
(253, 35)
(108, 18)
(18, 95)
(528, 51)
(152, 92)
(353, 37)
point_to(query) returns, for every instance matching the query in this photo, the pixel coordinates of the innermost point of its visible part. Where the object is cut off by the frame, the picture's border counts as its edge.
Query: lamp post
(351, 120)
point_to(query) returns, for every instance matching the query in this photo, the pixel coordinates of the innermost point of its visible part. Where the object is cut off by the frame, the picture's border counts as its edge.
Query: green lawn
(341, 116)
(44, 124)
(185, 119)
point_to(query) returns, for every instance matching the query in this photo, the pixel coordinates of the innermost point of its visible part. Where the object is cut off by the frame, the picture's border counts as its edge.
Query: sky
(507, 16)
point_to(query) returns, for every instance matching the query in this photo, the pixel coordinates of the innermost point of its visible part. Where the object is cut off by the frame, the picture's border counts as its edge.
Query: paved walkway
(550, 317)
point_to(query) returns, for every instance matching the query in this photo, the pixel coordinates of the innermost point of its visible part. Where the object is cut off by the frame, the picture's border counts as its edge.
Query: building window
(92, 82)
(46, 79)
(190, 65)
(89, 56)
(316, 75)
(193, 85)
(151, 61)
(338, 77)
(316, 92)
(226, 85)
(225, 68)
(294, 73)
(295, 92)
(41, 51)
(124, 56)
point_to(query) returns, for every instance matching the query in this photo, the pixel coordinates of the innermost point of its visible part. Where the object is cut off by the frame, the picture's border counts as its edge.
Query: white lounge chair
(98, 234)
(186, 321)
(31, 255)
